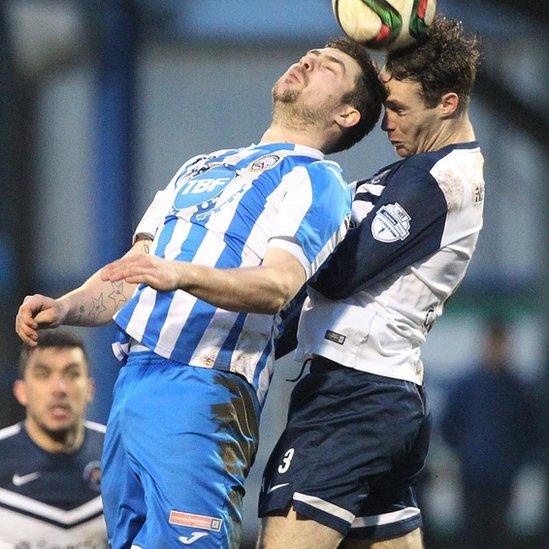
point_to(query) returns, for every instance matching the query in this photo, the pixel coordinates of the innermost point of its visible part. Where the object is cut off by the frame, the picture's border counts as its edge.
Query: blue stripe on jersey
(165, 236)
(224, 357)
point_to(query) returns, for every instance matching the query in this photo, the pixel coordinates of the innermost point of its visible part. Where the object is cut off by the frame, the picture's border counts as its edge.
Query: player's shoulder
(10, 434)
(93, 441)
(95, 427)
(444, 161)
(13, 447)
(95, 431)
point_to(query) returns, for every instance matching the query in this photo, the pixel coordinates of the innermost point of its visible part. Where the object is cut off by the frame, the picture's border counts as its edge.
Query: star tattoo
(117, 294)
(97, 308)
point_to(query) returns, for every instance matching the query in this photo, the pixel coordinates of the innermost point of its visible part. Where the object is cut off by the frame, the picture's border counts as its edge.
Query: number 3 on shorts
(286, 461)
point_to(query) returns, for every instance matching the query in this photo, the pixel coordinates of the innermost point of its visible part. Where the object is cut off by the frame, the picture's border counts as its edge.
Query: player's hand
(37, 312)
(158, 273)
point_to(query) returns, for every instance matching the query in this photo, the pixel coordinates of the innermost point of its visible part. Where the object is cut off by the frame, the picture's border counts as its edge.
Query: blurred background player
(235, 230)
(50, 470)
(358, 427)
(490, 424)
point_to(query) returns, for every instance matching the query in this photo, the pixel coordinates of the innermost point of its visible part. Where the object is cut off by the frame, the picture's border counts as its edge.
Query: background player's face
(411, 126)
(314, 87)
(55, 390)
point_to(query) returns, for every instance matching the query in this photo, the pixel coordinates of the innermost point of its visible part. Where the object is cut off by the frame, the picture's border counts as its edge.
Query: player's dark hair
(59, 339)
(444, 60)
(367, 97)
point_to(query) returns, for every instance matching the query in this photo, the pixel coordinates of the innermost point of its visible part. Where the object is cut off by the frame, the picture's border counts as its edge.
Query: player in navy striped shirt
(343, 471)
(217, 256)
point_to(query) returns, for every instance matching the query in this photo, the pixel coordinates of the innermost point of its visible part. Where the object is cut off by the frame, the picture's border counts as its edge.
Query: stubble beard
(63, 435)
(289, 111)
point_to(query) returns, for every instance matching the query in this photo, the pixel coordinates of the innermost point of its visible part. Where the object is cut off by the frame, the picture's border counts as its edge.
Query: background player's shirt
(419, 221)
(225, 210)
(50, 500)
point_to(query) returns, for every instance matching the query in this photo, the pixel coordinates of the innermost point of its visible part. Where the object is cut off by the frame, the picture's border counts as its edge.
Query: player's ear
(449, 103)
(20, 392)
(91, 389)
(347, 117)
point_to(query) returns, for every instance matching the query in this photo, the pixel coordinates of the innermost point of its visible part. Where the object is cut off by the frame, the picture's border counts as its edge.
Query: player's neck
(278, 134)
(452, 132)
(69, 442)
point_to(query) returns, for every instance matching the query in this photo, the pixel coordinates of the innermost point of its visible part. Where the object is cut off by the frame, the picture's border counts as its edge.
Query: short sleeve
(314, 214)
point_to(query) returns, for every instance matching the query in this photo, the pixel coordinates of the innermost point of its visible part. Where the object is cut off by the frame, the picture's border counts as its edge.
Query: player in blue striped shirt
(218, 255)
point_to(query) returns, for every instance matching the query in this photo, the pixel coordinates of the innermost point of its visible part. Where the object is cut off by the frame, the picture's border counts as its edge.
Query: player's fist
(36, 312)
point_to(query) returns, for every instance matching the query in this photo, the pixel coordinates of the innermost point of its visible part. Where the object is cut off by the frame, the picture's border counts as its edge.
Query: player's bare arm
(92, 304)
(264, 289)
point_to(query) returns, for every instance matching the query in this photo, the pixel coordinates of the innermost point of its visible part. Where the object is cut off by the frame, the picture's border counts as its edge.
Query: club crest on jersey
(391, 223)
(264, 163)
(92, 474)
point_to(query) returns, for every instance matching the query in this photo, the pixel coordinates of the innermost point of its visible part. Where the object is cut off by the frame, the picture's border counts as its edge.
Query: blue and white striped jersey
(225, 210)
(373, 302)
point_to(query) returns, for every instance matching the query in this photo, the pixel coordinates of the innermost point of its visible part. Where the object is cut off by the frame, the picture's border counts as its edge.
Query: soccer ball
(384, 24)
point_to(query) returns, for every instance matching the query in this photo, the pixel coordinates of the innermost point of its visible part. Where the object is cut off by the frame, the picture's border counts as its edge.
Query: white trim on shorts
(325, 506)
(385, 518)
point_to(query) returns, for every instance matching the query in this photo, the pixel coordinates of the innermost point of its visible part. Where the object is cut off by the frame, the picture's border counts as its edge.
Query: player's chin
(402, 150)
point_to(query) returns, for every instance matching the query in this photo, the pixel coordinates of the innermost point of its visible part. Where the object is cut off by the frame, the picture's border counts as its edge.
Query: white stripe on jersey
(10, 431)
(138, 321)
(68, 518)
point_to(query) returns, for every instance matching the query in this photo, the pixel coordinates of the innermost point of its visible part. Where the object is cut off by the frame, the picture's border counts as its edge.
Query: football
(384, 24)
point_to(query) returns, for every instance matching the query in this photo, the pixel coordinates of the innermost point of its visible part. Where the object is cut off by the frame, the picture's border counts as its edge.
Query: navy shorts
(351, 452)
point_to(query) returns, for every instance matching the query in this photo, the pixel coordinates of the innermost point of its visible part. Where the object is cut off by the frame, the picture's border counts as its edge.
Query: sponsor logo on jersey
(179, 518)
(265, 163)
(92, 475)
(335, 337)
(19, 480)
(192, 538)
(391, 223)
(203, 188)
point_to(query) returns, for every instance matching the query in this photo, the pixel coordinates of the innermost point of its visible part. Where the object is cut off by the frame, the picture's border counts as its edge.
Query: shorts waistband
(320, 364)
(136, 347)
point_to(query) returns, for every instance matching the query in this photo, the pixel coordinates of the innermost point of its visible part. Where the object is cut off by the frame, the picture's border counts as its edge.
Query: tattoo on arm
(146, 248)
(98, 307)
(117, 294)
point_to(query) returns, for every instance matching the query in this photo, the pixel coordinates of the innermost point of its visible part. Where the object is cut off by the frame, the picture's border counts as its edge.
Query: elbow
(276, 304)
(280, 298)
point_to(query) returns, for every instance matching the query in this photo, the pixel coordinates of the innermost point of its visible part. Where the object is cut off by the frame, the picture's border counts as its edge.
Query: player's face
(315, 85)
(55, 390)
(411, 126)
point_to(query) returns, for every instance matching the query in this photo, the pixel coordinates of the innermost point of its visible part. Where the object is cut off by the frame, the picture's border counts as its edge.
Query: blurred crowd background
(101, 102)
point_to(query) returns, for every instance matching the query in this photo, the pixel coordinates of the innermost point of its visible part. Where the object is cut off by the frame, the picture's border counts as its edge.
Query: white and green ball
(384, 24)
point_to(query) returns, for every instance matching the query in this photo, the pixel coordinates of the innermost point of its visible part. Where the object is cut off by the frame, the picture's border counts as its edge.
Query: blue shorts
(180, 441)
(352, 449)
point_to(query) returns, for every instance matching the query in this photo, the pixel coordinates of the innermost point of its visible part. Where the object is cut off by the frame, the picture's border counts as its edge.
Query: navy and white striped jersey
(225, 210)
(50, 500)
(373, 302)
